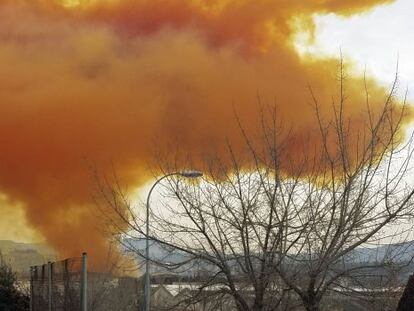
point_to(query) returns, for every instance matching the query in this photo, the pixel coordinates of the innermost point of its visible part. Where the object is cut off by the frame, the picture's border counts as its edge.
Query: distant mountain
(157, 251)
(23, 255)
(399, 252)
(178, 261)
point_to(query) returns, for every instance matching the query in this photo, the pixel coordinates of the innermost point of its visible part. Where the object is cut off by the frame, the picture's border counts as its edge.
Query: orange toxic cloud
(101, 79)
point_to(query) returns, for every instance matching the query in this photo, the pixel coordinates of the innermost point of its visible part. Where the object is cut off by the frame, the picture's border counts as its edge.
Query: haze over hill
(23, 255)
(398, 252)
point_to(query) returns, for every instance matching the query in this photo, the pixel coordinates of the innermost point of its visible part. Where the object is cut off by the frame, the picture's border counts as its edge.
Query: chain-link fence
(67, 286)
(58, 285)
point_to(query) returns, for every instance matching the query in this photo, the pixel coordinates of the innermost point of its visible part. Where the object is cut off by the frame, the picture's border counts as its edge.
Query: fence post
(31, 288)
(65, 286)
(49, 285)
(84, 283)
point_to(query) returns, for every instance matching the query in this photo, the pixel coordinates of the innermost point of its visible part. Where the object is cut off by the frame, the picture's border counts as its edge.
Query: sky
(108, 83)
(376, 40)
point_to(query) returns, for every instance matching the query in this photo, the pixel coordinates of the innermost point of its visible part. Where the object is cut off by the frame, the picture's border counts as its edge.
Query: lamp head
(191, 174)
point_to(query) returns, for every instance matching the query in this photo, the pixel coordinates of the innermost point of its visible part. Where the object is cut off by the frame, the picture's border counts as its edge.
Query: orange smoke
(100, 81)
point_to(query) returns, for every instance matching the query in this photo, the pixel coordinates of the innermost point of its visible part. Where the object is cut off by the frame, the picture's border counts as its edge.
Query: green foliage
(11, 298)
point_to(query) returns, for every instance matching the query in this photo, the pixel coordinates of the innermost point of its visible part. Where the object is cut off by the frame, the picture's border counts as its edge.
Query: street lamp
(186, 174)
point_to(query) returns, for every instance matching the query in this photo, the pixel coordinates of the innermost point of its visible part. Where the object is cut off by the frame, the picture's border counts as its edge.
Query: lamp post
(186, 174)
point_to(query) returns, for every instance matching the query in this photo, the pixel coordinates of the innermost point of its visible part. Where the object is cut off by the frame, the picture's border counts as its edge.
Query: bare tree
(275, 233)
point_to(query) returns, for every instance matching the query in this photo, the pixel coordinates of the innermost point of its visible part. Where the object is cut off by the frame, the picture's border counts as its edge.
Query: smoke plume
(100, 80)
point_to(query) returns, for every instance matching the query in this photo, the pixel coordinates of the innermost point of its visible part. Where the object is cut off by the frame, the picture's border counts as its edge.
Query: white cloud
(375, 40)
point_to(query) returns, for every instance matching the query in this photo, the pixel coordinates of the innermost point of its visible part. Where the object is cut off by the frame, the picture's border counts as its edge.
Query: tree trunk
(313, 307)
(407, 299)
(257, 307)
(258, 302)
(311, 302)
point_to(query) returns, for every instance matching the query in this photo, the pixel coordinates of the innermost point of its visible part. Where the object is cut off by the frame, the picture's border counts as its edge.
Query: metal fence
(67, 285)
(59, 285)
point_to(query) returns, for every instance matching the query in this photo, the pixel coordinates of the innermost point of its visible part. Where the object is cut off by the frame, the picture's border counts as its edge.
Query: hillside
(23, 255)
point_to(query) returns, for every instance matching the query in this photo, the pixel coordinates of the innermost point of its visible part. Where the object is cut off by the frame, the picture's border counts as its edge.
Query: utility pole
(84, 283)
